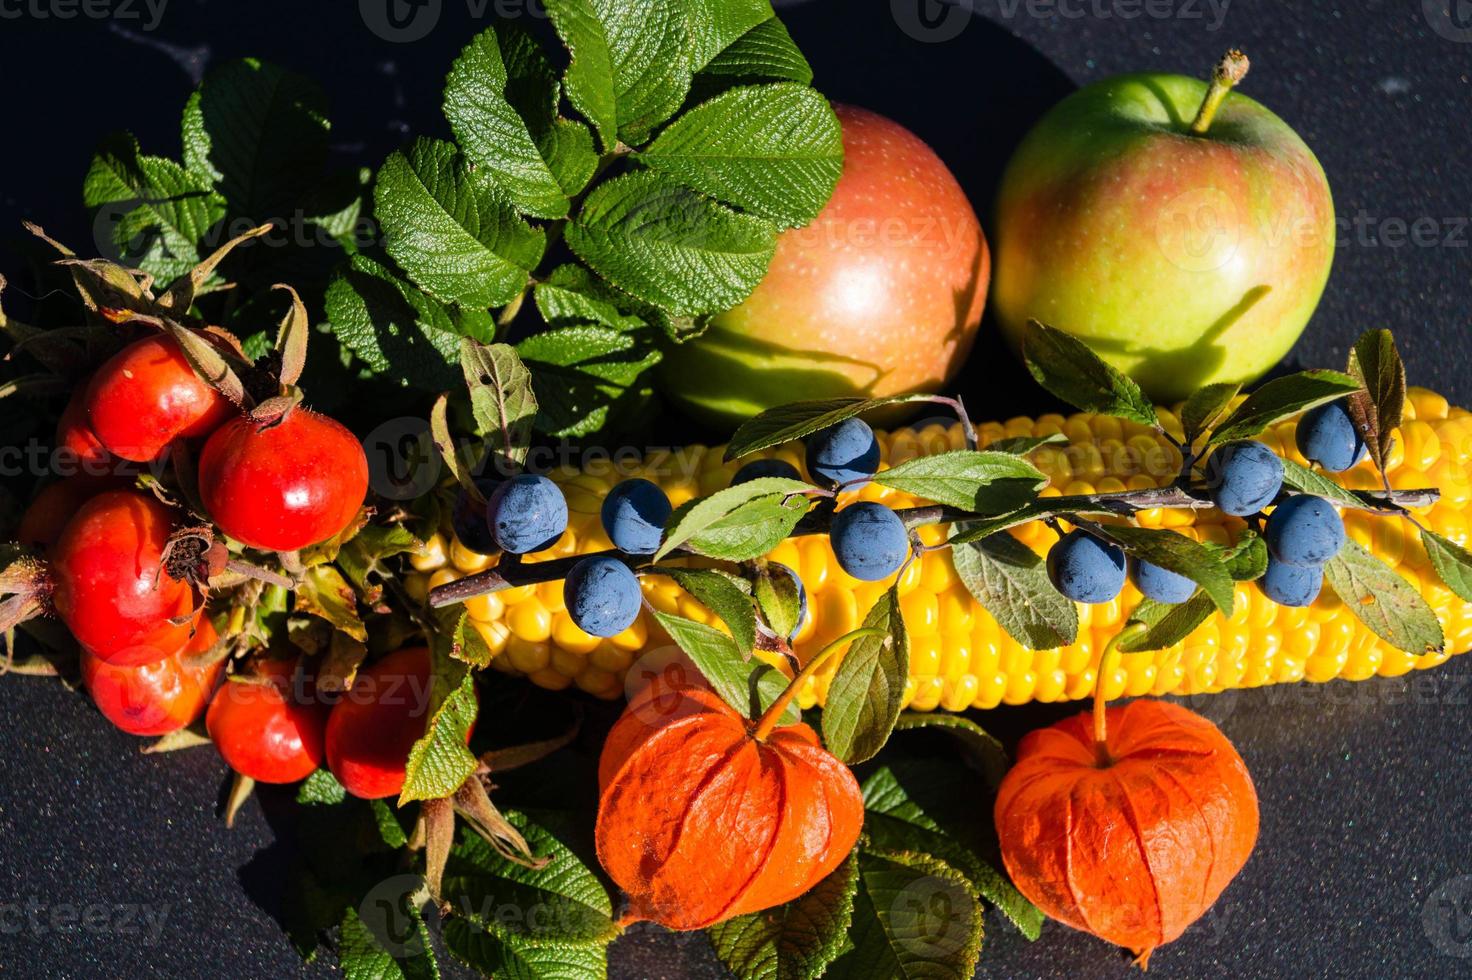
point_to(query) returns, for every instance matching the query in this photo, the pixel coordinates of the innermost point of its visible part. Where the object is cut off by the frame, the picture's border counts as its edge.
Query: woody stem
(769, 718)
(1101, 731)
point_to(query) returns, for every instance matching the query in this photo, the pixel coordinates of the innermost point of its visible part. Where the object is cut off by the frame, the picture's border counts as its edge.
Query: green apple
(1183, 231)
(881, 294)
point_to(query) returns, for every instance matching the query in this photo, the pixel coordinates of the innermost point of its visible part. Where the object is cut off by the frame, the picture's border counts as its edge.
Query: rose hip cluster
(124, 571)
(1302, 532)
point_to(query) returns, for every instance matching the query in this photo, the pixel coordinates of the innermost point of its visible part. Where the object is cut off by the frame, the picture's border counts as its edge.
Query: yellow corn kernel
(469, 561)
(434, 555)
(486, 608)
(531, 621)
(526, 656)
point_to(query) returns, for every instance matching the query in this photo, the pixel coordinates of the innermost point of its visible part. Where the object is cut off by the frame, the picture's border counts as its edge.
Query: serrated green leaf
(397, 331)
(258, 133)
(928, 806)
(669, 246)
(722, 596)
(766, 53)
(456, 636)
(778, 598)
(1279, 399)
(365, 954)
(323, 592)
(501, 102)
(715, 25)
(798, 419)
(362, 557)
(1452, 562)
(1244, 561)
(1067, 368)
(747, 685)
(389, 827)
(321, 788)
(1168, 623)
(439, 762)
(581, 374)
(1376, 410)
(914, 917)
(1177, 553)
(979, 482)
(562, 903)
(773, 150)
(1011, 581)
(868, 687)
(1389, 605)
(570, 154)
(589, 78)
(572, 296)
(154, 211)
(450, 228)
(510, 960)
(738, 523)
(795, 941)
(980, 744)
(501, 397)
(1305, 480)
(1023, 445)
(1205, 408)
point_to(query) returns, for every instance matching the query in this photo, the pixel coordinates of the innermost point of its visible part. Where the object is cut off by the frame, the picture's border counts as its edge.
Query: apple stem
(1225, 77)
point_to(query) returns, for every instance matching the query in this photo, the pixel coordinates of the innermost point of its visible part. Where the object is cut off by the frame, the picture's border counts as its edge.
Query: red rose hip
(147, 396)
(156, 698)
(284, 485)
(262, 731)
(377, 722)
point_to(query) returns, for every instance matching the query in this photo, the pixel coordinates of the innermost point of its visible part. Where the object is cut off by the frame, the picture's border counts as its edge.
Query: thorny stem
(1124, 504)
(1101, 732)
(1228, 72)
(771, 716)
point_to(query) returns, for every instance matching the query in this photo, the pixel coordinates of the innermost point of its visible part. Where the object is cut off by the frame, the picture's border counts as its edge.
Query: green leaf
(571, 296)
(451, 229)
(715, 25)
(670, 246)
(389, 827)
(258, 133)
(864, 697)
(738, 523)
(1011, 581)
(930, 806)
(795, 941)
(1246, 560)
(1177, 553)
(1376, 410)
(510, 960)
(1205, 408)
(321, 788)
(973, 531)
(589, 78)
(561, 904)
(582, 374)
(366, 954)
(323, 592)
(979, 482)
(501, 101)
(766, 53)
(397, 331)
(501, 398)
(719, 593)
(773, 150)
(439, 762)
(915, 917)
(570, 154)
(748, 686)
(456, 636)
(1067, 368)
(1305, 480)
(980, 744)
(1452, 562)
(154, 211)
(1169, 623)
(778, 598)
(1279, 399)
(1382, 600)
(1023, 445)
(797, 419)
(362, 558)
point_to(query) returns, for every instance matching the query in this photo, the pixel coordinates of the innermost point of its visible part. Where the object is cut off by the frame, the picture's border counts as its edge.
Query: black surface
(1363, 868)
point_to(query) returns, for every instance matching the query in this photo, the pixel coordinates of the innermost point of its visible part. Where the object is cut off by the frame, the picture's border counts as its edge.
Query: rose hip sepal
(147, 396)
(156, 698)
(268, 727)
(283, 484)
(110, 584)
(699, 820)
(1134, 846)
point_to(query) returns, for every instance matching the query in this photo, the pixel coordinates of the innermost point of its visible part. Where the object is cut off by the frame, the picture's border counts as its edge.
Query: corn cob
(960, 658)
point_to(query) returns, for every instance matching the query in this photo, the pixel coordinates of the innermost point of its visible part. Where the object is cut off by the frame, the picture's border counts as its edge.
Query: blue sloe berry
(869, 540)
(1085, 568)
(759, 469)
(1291, 585)
(602, 596)
(634, 514)
(527, 513)
(1245, 477)
(1328, 436)
(1304, 530)
(843, 453)
(1161, 584)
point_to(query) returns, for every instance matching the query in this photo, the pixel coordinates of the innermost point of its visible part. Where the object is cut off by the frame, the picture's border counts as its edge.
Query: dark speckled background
(1364, 867)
